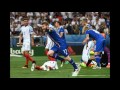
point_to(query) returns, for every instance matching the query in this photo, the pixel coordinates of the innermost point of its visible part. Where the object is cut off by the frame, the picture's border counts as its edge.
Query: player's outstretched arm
(86, 39)
(20, 38)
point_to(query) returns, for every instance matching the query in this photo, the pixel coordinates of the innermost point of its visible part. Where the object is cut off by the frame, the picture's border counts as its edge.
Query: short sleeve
(31, 30)
(61, 30)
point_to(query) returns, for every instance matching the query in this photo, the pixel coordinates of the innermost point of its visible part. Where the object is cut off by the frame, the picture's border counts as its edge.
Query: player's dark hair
(57, 22)
(25, 18)
(22, 19)
(46, 23)
(101, 30)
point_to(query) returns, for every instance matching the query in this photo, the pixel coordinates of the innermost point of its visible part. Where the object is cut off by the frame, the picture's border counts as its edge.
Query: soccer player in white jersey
(27, 35)
(86, 58)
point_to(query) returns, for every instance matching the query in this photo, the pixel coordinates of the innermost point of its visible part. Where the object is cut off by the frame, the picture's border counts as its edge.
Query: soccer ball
(91, 53)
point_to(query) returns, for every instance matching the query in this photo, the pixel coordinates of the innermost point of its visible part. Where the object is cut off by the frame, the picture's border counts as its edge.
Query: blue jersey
(61, 30)
(100, 41)
(94, 34)
(56, 38)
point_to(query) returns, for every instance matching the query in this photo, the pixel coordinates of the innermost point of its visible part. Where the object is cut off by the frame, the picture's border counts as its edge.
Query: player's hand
(83, 43)
(92, 49)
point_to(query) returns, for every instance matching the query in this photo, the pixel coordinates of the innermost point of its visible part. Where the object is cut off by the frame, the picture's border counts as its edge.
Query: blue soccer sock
(73, 64)
(98, 59)
(55, 55)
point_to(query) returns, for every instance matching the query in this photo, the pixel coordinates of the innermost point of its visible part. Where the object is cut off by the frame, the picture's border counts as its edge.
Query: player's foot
(26, 66)
(33, 66)
(66, 62)
(75, 73)
(96, 67)
(61, 64)
(108, 66)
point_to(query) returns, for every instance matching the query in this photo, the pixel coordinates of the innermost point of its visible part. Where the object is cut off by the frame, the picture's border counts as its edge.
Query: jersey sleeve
(31, 30)
(87, 32)
(61, 30)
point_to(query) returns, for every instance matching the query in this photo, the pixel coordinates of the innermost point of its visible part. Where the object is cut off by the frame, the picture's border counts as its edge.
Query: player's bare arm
(61, 34)
(20, 38)
(32, 38)
(86, 39)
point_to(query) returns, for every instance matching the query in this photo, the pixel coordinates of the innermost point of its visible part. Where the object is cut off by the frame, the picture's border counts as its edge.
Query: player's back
(94, 34)
(56, 38)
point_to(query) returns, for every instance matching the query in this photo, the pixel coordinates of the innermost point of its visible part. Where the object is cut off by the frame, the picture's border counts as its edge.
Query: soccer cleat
(26, 66)
(108, 66)
(66, 62)
(75, 73)
(61, 64)
(33, 66)
(83, 64)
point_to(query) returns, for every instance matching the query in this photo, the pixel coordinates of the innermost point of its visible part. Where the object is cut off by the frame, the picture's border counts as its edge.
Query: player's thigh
(26, 46)
(44, 65)
(85, 58)
(52, 50)
(64, 52)
(99, 46)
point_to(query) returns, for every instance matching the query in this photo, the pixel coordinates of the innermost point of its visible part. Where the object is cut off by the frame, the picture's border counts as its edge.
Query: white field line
(93, 75)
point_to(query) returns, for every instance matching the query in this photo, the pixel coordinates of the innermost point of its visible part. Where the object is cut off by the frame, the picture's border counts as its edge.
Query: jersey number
(65, 51)
(96, 31)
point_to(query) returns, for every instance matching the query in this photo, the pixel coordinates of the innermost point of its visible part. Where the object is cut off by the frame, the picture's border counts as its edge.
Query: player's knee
(97, 53)
(68, 58)
(49, 54)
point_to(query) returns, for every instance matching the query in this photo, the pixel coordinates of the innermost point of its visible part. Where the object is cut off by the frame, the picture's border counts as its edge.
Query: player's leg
(54, 53)
(27, 60)
(49, 57)
(64, 52)
(108, 54)
(98, 50)
(27, 55)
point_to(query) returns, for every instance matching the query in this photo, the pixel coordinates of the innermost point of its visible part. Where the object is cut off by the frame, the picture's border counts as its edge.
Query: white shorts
(85, 58)
(26, 46)
(52, 64)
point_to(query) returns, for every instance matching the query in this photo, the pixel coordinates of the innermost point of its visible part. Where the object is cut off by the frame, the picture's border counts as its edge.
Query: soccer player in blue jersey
(60, 30)
(60, 46)
(100, 44)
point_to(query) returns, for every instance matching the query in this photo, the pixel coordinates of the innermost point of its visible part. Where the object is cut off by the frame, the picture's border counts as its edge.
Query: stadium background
(71, 21)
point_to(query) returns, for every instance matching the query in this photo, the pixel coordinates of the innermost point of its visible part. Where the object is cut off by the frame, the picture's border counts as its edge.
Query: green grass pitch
(63, 72)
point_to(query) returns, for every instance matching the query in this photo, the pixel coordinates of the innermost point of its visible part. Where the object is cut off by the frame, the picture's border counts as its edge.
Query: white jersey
(50, 43)
(86, 51)
(52, 64)
(26, 31)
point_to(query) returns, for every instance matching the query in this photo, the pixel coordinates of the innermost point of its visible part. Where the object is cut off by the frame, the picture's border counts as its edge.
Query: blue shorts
(62, 50)
(100, 44)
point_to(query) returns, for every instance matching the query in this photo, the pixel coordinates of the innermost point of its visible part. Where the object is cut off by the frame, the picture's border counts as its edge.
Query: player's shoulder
(30, 26)
(61, 28)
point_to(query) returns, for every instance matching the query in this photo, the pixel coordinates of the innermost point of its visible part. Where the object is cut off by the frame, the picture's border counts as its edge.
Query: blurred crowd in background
(71, 21)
